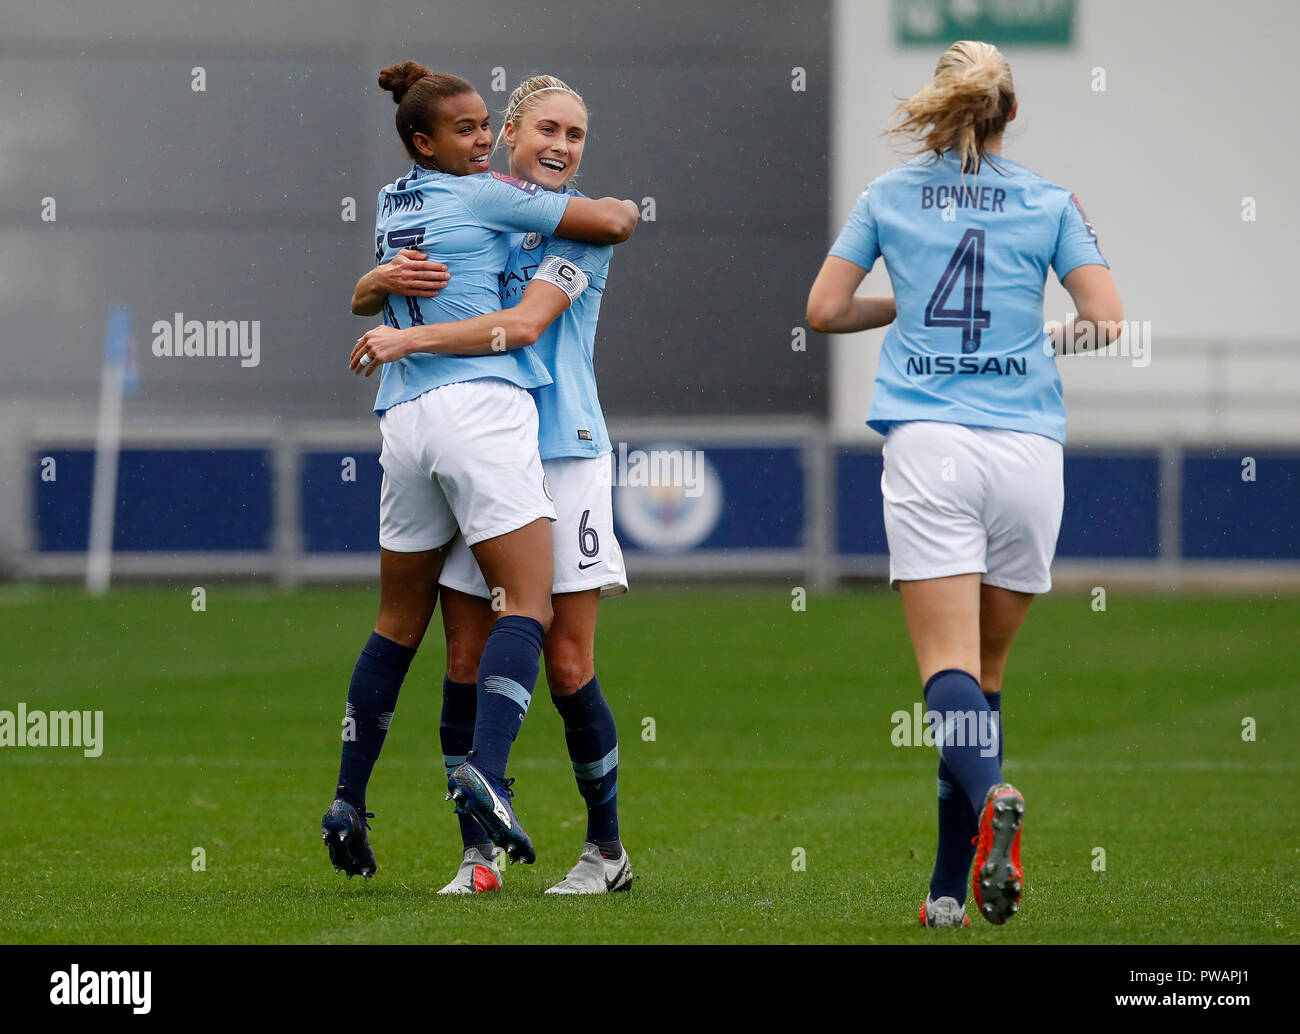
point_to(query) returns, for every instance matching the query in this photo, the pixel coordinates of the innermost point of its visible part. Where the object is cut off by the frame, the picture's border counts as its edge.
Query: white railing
(1189, 392)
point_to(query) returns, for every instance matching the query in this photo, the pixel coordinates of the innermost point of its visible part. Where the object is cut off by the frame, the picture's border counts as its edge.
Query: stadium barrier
(723, 498)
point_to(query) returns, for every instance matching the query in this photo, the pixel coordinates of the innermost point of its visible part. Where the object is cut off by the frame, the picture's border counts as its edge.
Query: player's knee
(462, 663)
(401, 628)
(567, 671)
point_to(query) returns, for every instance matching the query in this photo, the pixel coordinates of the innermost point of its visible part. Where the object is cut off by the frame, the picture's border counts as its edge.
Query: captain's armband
(564, 275)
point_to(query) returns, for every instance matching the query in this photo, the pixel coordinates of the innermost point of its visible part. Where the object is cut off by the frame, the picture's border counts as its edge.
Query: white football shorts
(463, 456)
(587, 555)
(963, 500)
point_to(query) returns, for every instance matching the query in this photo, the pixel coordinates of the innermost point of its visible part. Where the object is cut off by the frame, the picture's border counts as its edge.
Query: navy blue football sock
(963, 732)
(593, 748)
(372, 698)
(456, 730)
(507, 674)
(957, 827)
(994, 700)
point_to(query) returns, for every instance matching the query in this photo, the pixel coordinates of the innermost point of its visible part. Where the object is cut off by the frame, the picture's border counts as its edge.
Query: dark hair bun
(397, 79)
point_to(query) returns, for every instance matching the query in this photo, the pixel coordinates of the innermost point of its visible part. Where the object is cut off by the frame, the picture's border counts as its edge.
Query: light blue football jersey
(570, 420)
(466, 222)
(968, 260)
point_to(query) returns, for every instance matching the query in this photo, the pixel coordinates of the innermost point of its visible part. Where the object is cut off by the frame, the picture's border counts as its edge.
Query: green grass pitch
(771, 733)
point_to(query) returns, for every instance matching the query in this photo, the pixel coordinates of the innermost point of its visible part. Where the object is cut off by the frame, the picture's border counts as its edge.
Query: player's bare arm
(1099, 311)
(409, 272)
(492, 334)
(603, 220)
(835, 308)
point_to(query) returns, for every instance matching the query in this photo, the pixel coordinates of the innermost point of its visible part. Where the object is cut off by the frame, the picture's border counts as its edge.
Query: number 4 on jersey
(966, 267)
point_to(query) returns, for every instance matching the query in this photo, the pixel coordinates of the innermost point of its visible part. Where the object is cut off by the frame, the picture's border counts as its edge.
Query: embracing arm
(409, 272)
(834, 308)
(368, 296)
(598, 221)
(494, 332)
(491, 334)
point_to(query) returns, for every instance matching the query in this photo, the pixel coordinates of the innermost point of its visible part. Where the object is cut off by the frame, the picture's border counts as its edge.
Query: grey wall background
(225, 204)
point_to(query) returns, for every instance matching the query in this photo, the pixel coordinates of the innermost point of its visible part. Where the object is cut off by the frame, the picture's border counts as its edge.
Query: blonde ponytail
(965, 104)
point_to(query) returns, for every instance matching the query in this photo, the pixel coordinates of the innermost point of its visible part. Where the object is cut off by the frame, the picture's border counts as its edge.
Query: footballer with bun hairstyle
(551, 290)
(968, 398)
(459, 448)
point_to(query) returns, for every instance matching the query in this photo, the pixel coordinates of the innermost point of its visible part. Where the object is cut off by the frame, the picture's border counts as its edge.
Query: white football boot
(944, 913)
(476, 875)
(596, 875)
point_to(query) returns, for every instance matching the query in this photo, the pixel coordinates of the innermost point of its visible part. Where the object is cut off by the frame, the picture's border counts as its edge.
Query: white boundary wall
(1197, 115)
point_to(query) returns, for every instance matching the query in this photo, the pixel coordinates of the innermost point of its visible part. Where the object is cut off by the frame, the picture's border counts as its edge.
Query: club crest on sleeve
(524, 185)
(1083, 215)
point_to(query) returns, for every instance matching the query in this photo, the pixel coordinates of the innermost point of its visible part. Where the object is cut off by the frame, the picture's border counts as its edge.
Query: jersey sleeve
(857, 242)
(512, 205)
(1076, 241)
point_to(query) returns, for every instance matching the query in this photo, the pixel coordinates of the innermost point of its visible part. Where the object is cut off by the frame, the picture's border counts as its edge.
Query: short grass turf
(762, 798)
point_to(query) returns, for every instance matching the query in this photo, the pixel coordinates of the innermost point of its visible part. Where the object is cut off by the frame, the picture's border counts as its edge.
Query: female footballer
(969, 399)
(459, 451)
(551, 291)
